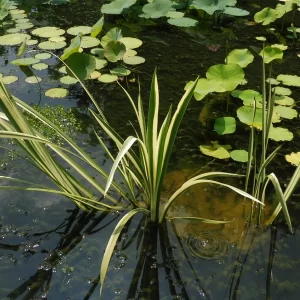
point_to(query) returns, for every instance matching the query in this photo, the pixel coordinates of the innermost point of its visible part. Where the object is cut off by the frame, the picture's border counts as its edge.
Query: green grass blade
(112, 243)
(124, 149)
(203, 220)
(280, 198)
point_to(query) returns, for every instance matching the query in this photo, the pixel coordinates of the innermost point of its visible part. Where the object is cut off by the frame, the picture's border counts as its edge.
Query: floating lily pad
(99, 52)
(77, 29)
(9, 79)
(24, 26)
(116, 7)
(13, 30)
(270, 53)
(174, 14)
(107, 78)
(57, 39)
(239, 155)
(242, 57)
(293, 158)
(43, 56)
(27, 61)
(31, 42)
(273, 81)
(81, 64)
(280, 134)
(235, 11)
(21, 21)
(248, 97)
(100, 63)
(114, 51)
(210, 6)
(216, 150)
(95, 75)
(225, 125)
(16, 11)
(52, 45)
(156, 9)
(130, 52)
(133, 60)
(114, 34)
(183, 22)
(89, 42)
(227, 77)
(285, 112)
(63, 70)
(279, 46)
(57, 93)
(279, 90)
(284, 100)
(131, 43)
(48, 31)
(120, 71)
(68, 80)
(19, 16)
(13, 39)
(40, 66)
(266, 16)
(33, 79)
(291, 80)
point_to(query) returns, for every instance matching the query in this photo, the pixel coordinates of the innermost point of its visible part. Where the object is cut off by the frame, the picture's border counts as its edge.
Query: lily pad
(116, 7)
(248, 97)
(290, 80)
(79, 29)
(13, 39)
(133, 60)
(131, 43)
(48, 31)
(18, 16)
(33, 79)
(68, 80)
(89, 42)
(57, 39)
(120, 71)
(13, 30)
(24, 26)
(114, 34)
(270, 53)
(242, 57)
(81, 64)
(210, 6)
(293, 158)
(99, 52)
(57, 93)
(235, 11)
(27, 61)
(183, 22)
(156, 9)
(40, 66)
(266, 16)
(43, 56)
(114, 51)
(31, 42)
(63, 70)
(100, 63)
(216, 150)
(52, 45)
(279, 90)
(108, 78)
(174, 14)
(94, 75)
(225, 125)
(9, 79)
(239, 155)
(203, 87)
(280, 134)
(284, 100)
(130, 52)
(285, 112)
(227, 77)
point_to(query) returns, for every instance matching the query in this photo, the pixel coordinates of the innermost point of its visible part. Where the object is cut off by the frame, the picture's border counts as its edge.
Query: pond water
(49, 249)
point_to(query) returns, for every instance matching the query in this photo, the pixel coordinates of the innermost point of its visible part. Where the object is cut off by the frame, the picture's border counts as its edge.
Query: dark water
(51, 250)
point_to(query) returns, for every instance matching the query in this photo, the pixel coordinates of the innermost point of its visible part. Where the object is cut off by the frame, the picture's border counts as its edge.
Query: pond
(51, 249)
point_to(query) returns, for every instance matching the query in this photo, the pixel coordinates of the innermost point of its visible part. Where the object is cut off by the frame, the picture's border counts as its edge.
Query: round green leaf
(120, 71)
(13, 39)
(52, 45)
(131, 43)
(99, 52)
(239, 155)
(43, 56)
(285, 112)
(116, 7)
(57, 93)
(235, 11)
(40, 66)
(114, 51)
(270, 53)
(280, 134)
(174, 14)
(33, 79)
(183, 22)
(31, 42)
(216, 150)
(95, 75)
(130, 52)
(279, 90)
(25, 61)
(284, 100)
(81, 64)
(133, 60)
(108, 78)
(57, 39)
(290, 80)
(225, 125)
(68, 80)
(9, 79)
(227, 77)
(23, 26)
(100, 63)
(242, 57)
(77, 29)
(48, 31)
(156, 9)
(293, 158)
(266, 16)
(89, 42)
(210, 6)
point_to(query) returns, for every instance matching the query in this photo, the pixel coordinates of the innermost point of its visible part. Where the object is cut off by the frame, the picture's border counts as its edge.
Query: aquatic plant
(142, 170)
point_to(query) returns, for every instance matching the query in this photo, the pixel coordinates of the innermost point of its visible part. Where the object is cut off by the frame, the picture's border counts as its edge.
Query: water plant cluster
(134, 184)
